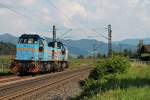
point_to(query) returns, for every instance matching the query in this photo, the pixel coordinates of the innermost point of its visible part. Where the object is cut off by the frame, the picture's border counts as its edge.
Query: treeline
(6, 48)
(126, 53)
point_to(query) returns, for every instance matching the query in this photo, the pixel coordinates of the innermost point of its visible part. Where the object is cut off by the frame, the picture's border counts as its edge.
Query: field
(133, 85)
(74, 63)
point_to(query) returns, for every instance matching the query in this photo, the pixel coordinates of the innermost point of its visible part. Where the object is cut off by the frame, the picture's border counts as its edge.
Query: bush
(104, 76)
(110, 66)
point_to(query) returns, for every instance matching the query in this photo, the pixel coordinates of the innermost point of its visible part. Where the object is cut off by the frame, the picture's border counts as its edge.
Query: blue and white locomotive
(34, 55)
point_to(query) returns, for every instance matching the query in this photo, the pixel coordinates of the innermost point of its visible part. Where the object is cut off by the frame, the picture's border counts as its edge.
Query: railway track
(11, 79)
(30, 85)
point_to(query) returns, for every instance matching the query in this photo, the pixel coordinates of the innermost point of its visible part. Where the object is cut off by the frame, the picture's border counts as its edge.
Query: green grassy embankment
(132, 85)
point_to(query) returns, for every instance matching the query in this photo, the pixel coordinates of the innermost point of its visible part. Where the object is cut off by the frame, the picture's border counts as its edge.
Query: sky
(76, 19)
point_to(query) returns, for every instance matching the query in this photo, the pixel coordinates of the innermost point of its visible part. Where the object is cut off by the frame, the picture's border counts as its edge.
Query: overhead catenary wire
(66, 16)
(35, 19)
(22, 14)
(65, 33)
(52, 4)
(72, 21)
(101, 35)
(33, 14)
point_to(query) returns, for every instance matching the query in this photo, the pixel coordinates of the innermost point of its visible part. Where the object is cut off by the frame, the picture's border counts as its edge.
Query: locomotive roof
(31, 35)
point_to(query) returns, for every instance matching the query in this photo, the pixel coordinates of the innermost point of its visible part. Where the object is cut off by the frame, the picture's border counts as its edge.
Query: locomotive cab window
(27, 40)
(59, 45)
(51, 44)
(30, 40)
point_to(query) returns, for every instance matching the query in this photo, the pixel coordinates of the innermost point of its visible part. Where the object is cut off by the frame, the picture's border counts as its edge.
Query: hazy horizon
(82, 38)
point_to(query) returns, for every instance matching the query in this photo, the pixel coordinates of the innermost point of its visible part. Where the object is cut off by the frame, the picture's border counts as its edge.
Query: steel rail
(11, 79)
(22, 88)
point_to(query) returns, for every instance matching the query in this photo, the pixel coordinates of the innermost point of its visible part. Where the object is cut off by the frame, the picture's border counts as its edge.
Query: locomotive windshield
(28, 40)
(59, 44)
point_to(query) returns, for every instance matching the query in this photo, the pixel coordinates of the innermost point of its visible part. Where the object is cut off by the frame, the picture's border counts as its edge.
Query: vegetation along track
(27, 86)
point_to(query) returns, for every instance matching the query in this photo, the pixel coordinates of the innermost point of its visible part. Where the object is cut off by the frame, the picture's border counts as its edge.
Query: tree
(89, 57)
(5, 48)
(80, 57)
(126, 52)
(141, 43)
(99, 55)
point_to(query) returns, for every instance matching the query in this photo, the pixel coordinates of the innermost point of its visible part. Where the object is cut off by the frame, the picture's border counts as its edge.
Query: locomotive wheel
(18, 74)
(49, 67)
(43, 67)
(21, 74)
(59, 66)
(63, 65)
(54, 67)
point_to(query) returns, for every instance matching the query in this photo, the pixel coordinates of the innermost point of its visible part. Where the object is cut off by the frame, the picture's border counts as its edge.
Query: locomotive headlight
(32, 58)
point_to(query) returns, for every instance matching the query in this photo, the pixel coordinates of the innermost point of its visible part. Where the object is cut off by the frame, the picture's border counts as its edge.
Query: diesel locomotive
(34, 55)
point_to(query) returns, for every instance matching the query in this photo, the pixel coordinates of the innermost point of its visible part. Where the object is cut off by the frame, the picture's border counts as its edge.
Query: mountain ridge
(85, 46)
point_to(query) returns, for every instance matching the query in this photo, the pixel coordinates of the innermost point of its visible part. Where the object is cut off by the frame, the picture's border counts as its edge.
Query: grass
(5, 60)
(132, 93)
(5, 71)
(133, 85)
(75, 63)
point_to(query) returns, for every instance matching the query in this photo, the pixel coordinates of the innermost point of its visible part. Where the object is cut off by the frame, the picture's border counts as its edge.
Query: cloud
(68, 10)
(71, 8)
(11, 22)
(132, 3)
(129, 18)
(45, 10)
(26, 2)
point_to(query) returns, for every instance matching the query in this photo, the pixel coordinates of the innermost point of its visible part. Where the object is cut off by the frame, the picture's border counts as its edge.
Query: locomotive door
(41, 50)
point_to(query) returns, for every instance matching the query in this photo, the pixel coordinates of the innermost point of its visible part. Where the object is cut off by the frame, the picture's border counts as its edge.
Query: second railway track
(27, 86)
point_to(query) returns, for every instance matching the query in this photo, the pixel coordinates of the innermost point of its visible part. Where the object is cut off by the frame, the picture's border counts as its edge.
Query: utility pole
(54, 33)
(55, 42)
(94, 53)
(54, 36)
(141, 43)
(120, 48)
(109, 41)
